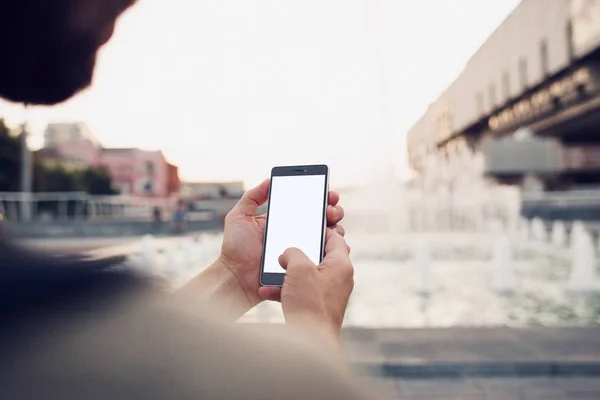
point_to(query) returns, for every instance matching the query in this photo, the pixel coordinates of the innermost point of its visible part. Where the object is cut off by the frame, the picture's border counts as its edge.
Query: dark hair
(44, 60)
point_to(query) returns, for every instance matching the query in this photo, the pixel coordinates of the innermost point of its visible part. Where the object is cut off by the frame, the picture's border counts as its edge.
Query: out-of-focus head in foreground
(49, 46)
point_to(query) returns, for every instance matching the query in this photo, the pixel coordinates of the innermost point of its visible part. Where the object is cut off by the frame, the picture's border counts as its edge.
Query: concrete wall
(495, 67)
(79, 229)
(514, 156)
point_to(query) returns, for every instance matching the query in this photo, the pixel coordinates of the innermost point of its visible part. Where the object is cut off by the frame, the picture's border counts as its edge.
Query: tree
(96, 181)
(10, 159)
(55, 179)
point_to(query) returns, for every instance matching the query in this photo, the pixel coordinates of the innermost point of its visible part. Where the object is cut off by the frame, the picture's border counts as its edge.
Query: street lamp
(26, 173)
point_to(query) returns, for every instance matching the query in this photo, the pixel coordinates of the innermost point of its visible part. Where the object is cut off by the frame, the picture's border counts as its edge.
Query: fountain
(197, 251)
(503, 277)
(172, 259)
(538, 230)
(422, 258)
(440, 228)
(149, 252)
(185, 247)
(524, 229)
(577, 230)
(559, 234)
(583, 277)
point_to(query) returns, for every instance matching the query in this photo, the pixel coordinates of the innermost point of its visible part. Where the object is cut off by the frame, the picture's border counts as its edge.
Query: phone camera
(305, 170)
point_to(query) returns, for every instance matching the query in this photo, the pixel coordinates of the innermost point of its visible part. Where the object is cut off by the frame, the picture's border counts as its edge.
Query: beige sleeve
(162, 355)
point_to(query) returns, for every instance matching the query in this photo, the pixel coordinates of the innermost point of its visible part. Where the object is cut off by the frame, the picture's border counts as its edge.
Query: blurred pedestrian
(180, 218)
(157, 219)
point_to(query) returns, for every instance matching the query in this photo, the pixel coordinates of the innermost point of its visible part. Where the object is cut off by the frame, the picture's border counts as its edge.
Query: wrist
(237, 281)
(321, 330)
(217, 286)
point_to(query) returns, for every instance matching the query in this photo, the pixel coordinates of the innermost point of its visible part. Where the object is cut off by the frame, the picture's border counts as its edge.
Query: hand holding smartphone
(298, 197)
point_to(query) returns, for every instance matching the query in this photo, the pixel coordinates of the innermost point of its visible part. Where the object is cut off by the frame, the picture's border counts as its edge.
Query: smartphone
(296, 217)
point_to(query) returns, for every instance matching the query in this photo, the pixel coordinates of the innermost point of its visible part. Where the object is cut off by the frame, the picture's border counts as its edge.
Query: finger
(294, 258)
(270, 293)
(335, 245)
(334, 214)
(252, 200)
(339, 229)
(333, 198)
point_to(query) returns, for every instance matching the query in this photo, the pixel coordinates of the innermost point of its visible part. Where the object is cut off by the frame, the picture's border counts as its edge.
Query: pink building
(134, 172)
(137, 172)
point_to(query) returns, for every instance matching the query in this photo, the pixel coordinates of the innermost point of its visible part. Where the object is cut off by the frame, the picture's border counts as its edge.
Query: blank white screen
(295, 218)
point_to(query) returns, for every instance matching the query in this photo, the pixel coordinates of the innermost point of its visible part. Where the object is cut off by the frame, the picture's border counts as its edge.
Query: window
(479, 101)
(569, 33)
(492, 95)
(148, 187)
(149, 168)
(523, 73)
(505, 85)
(544, 57)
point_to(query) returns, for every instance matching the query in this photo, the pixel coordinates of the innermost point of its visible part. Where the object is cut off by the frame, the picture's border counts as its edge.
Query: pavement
(476, 352)
(547, 388)
(478, 363)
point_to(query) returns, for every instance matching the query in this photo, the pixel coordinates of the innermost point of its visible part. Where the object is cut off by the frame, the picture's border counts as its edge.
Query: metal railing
(80, 206)
(18, 206)
(571, 197)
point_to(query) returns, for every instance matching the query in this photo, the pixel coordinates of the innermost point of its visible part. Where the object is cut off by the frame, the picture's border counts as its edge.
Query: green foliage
(55, 179)
(96, 181)
(91, 180)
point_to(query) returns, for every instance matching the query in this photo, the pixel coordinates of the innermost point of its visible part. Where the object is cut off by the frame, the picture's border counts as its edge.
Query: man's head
(48, 47)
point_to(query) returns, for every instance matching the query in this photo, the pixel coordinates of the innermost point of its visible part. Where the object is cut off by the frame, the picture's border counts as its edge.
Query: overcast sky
(229, 88)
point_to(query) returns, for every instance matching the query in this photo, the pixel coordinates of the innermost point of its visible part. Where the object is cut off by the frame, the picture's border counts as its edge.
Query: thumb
(294, 258)
(252, 200)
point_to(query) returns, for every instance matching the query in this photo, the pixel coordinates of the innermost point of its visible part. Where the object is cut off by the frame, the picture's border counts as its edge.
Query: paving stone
(546, 388)
(478, 351)
(383, 389)
(437, 387)
(446, 397)
(577, 383)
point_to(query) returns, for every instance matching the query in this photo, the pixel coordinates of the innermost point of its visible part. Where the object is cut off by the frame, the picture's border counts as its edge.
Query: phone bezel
(276, 279)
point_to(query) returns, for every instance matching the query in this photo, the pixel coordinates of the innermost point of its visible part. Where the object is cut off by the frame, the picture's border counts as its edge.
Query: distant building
(211, 190)
(138, 172)
(528, 100)
(74, 142)
(173, 182)
(57, 133)
(133, 171)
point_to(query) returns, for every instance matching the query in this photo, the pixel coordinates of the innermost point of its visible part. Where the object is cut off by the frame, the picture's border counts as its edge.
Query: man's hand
(315, 296)
(242, 248)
